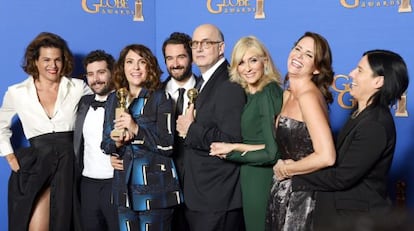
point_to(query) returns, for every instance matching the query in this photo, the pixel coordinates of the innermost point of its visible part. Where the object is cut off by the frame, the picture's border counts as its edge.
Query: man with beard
(178, 59)
(98, 212)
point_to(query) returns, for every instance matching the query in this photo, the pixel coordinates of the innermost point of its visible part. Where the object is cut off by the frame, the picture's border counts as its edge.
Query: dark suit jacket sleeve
(228, 106)
(83, 107)
(155, 125)
(271, 103)
(363, 149)
(108, 145)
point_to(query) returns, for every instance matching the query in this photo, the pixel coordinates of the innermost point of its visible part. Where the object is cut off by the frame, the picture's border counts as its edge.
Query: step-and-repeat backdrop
(351, 27)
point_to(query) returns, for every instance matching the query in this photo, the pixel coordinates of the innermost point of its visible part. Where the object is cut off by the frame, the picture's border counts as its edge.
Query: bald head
(211, 29)
(205, 57)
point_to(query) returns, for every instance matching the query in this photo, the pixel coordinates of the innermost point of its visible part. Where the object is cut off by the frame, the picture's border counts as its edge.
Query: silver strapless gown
(289, 210)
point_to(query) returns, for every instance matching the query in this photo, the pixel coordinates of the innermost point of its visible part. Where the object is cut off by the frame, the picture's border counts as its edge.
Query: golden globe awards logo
(342, 86)
(237, 7)
(404, 6)
(116, 7)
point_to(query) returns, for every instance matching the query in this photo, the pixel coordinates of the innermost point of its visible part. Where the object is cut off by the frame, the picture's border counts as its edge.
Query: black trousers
(97, 208)
(215, 221)
(179, 221)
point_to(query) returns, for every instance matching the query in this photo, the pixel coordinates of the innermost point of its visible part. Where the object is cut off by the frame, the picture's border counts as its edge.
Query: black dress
(289, 210)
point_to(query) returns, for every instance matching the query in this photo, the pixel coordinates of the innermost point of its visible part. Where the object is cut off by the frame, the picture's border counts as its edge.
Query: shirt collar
(102, 97)
(207, 75)
(172, 85)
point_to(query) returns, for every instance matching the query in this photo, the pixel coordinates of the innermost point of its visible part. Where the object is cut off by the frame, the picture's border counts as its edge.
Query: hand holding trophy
(192, 96)
(122, 95)
(190, 110)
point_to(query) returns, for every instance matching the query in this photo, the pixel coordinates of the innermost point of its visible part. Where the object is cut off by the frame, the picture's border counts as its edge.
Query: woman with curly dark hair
(41, 184)
(145, 184)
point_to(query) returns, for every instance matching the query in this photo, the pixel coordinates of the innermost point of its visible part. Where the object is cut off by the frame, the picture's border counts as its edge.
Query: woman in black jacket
(356, 186)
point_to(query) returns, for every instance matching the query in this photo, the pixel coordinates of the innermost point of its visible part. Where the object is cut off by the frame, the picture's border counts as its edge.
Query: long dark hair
(392, 67)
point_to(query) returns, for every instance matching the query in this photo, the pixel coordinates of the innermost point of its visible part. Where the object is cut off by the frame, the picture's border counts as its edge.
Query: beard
(103, 91)
(186, 74)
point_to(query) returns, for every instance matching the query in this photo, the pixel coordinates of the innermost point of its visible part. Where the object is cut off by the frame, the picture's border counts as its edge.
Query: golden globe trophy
(405, 6)
(192, 96)
(138, 16)
(122, 95)
(401, 110)
(259, 10)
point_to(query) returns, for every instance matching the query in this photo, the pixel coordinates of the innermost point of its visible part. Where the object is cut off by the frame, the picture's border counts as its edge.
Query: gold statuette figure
(402, 107)
(138, 16)
(259, 10)
(122, 95)
(192, 96)
(405, 6)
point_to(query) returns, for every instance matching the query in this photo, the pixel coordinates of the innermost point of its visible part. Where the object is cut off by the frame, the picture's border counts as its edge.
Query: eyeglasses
(205, 44)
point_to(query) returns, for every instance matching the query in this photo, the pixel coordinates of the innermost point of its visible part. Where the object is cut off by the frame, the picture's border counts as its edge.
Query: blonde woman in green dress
(252, 67)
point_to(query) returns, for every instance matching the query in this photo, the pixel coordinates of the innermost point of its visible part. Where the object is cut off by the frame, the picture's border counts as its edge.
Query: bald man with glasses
(211, 185)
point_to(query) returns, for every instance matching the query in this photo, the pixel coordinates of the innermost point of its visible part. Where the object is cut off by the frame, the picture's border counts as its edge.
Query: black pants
(179, 221)
(97, 208)
(215, 221)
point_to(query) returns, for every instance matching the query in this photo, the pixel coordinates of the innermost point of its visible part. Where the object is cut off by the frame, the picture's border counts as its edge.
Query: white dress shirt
(97, 164)
(172, 89)
(207, 75)
(21, 99)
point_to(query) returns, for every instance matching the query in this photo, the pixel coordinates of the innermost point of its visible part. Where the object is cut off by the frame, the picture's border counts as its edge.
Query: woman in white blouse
(41, 184)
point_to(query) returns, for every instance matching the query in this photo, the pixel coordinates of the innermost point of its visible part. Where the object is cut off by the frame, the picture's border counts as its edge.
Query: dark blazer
(210, 183)
(178, 150)
(357, 183)
(150, 174)
(83, 107)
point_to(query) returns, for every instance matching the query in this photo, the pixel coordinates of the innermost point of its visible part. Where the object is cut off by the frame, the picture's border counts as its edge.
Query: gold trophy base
(138, 16)
(405, 10)
(118, 132)
(259, 10)
(405, 6)
(259, 15)
(402, 107)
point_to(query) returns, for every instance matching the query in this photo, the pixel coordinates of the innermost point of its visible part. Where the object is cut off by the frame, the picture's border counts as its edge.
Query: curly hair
(47, 40)
(153, 80)
(99, 55)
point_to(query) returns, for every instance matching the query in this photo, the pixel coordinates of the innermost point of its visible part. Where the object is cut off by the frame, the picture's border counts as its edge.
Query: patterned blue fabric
(145, 221)
(150, 180)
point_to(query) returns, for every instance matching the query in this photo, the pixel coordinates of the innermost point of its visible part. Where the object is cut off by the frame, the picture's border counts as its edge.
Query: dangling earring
(266, 70)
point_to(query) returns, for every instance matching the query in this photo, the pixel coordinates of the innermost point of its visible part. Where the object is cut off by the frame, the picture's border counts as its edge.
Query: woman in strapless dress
(303, 134)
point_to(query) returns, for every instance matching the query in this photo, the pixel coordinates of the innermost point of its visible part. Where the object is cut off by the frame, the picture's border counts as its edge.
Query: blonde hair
(270, 73)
